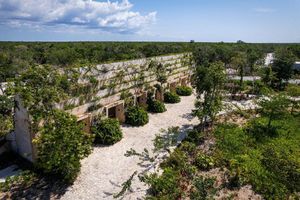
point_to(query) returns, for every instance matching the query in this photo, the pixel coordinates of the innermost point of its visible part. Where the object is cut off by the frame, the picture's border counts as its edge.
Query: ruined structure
(101, 90)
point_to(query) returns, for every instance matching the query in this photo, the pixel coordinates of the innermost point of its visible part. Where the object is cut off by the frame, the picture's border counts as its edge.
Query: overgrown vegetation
(106, 131)
(6, 117)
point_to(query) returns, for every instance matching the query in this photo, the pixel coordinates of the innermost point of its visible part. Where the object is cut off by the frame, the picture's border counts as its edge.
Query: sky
(150, 20)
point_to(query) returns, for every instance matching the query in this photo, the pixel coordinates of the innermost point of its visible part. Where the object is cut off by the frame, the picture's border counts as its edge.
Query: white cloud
(264, 10)
(90, 14)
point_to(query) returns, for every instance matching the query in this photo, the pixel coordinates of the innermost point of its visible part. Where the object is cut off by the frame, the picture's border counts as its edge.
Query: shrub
(203, 161)
(184, 91)
(61, 145)
(6, 105)
(187, 147)
(136, 116)
(177, 160)
(284, 167)
(107, 131)
(156, 106)
(171, 97)
(258, 129)
(203, 188)
(195, 136)
(165, 186)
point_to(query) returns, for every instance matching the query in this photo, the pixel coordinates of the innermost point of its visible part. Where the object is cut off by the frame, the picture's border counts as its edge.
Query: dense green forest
(18, 56)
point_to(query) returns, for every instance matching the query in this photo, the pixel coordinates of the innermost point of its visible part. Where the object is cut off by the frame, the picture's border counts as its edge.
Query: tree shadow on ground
(188, 116)
(43, 188)
(36, 186)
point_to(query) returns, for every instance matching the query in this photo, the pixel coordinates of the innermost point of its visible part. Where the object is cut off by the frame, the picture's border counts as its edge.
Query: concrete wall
(177, 66)
(23, 136)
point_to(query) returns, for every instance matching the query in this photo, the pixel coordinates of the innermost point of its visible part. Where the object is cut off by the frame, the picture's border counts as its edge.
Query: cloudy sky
(150, 20)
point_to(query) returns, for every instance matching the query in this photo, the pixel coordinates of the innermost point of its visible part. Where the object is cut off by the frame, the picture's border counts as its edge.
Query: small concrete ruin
(104, 94)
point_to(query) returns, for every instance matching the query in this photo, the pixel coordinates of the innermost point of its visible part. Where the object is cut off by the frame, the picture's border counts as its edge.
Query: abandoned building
(104, 98)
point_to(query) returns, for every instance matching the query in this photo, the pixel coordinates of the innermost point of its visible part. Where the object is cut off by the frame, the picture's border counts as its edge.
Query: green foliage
(270, 166)
(107, 131)
(25, 178)
(258, 129)
(203, 188)
(165, 186)
(283, 165)
(61, 145)
(128, 98)
(293, 90)
(239, 62)
(156, 106)
(177, 160)
(209, 82)
(125, 186)
(203, 161)
(184, 91)
(6, 118)
(267, 76)
(136, 116)
(39, 88)
(283, 65)
(195, 136)
(273, 107)
(170, 97)
(6, 124)
(6, 105)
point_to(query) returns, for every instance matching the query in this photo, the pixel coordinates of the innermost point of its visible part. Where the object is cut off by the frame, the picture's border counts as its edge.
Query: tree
(273, 107)
(204, 55)
(253, 58)
(209, 82)
(239, 61)
(283, 65)
(267, 76)
(61, 145)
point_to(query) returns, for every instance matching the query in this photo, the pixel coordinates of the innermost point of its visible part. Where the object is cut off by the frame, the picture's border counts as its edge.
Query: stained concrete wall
(23, 135)
(177, 66)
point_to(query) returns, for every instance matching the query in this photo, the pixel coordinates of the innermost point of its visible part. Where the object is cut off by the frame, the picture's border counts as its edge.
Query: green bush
(107, 131)
(203, 188)
(177, 160)
(194, 136)
(166, 186)
(204, 162)
(136, 116)
(184, 91)
(6, 105)
(171, 97)
(61, 145)
(156, 106)
(258, 129)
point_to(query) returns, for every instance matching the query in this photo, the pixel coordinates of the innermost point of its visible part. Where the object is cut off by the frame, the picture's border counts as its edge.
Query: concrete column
(120, 113)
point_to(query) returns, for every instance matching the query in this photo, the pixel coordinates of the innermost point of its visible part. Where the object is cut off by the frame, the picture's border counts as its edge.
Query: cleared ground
(104, 171)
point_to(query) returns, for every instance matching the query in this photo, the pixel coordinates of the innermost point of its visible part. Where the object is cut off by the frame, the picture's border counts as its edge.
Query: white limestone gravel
(104, 171)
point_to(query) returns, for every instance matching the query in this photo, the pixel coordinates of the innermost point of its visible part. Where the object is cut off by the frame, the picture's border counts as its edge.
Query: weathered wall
(114, 78)
(23, 137)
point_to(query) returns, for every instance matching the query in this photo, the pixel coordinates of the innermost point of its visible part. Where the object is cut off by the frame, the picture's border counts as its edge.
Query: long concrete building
(101, 92)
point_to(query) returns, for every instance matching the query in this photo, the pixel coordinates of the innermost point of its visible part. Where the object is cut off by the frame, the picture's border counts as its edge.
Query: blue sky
(151, 20)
